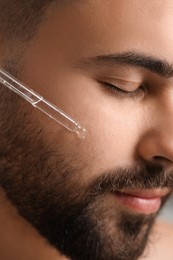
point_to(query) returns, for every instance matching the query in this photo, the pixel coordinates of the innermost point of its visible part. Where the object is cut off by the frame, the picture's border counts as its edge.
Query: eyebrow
(135, 59)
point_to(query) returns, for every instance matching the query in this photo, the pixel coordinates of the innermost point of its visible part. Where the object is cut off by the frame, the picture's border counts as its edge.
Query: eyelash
(123, 93)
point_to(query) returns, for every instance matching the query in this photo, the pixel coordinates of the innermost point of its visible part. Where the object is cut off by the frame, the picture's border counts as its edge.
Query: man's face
(94, 198)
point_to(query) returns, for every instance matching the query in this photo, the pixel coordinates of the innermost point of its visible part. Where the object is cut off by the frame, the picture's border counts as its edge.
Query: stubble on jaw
(80, 227)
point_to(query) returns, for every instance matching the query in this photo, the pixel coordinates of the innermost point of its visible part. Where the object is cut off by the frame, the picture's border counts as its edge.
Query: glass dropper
(42, 104)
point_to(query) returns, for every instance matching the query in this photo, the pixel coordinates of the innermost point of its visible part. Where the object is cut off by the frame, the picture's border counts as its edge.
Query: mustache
(148, 176)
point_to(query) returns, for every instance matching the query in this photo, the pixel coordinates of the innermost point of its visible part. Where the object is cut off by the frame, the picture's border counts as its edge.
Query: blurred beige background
(167, 212)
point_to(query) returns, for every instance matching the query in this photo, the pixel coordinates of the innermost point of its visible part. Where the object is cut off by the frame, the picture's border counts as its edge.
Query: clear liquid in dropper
(81, 132)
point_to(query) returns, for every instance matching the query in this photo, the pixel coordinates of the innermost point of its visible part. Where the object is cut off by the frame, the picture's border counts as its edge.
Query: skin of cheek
(108, 143)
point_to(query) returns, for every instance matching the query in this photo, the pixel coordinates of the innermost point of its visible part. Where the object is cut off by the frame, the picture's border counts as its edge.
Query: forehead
(94, 27)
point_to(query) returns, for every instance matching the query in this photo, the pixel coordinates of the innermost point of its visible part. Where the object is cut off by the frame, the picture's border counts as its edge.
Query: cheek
(113, 128)
(114, 133)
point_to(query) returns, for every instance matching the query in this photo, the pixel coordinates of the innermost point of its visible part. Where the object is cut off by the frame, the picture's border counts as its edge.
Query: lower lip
(139, 204)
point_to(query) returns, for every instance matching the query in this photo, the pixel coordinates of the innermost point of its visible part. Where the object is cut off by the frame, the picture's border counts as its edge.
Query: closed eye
(122, 93)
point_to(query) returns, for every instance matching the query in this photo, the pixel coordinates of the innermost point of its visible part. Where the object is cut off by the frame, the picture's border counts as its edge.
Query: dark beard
(45, 187)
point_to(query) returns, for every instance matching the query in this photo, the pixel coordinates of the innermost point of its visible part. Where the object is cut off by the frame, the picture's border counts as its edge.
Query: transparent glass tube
(42, 104)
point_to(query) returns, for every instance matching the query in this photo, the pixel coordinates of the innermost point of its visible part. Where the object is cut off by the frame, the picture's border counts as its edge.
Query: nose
(156, 144)
(157, 147)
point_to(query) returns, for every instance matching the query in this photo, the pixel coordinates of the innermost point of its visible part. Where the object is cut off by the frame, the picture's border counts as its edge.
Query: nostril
(162, 160)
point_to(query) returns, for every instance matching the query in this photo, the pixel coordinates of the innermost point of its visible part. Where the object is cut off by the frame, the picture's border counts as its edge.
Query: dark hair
(19, 19)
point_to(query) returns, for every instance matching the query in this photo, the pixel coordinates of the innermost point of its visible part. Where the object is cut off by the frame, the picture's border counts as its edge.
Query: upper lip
(148, 194)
